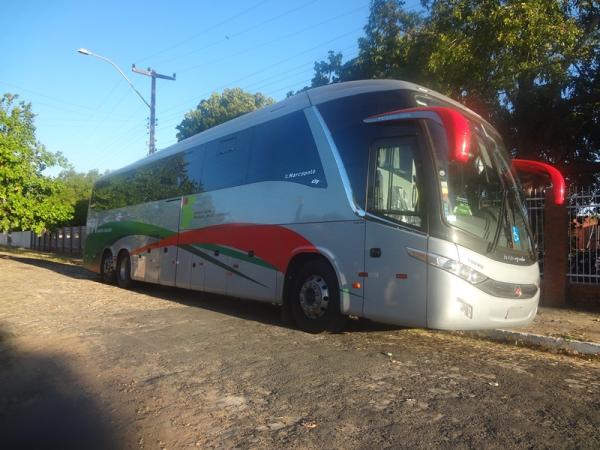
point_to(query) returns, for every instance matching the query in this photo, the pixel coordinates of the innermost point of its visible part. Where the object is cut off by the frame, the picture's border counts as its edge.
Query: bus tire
(123, 271)
(315, 298)
(107, 268)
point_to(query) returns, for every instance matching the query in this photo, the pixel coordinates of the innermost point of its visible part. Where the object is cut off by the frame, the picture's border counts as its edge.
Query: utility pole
(154, 75)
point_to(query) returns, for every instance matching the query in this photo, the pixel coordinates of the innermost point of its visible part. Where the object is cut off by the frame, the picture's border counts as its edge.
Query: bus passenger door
(169, 218)
(395, 283)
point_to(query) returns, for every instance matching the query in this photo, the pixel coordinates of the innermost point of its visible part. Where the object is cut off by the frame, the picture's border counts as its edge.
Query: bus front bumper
(455, 304)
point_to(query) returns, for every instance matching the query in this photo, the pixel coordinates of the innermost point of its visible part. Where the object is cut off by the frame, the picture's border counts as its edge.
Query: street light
(152, 105)
(85, 51)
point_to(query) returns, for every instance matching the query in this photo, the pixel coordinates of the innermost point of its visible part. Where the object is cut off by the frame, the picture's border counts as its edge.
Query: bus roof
(296, 102)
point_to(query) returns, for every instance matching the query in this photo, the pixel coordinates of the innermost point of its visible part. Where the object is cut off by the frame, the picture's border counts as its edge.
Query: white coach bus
(379, 199)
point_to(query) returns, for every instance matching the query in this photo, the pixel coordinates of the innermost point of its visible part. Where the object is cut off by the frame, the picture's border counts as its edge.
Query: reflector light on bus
(558, 182)
(458, 131)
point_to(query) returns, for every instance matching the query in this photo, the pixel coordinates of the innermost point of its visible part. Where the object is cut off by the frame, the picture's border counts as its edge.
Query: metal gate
(584, 207)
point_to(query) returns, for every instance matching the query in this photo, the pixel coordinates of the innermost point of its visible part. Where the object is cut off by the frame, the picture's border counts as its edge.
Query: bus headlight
(457, 268)
(488, 285)
(449, 265)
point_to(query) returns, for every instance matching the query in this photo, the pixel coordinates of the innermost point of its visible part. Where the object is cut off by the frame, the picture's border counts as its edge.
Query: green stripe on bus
(108, 233)
(201, 254)
(236, 254)
(348, 291)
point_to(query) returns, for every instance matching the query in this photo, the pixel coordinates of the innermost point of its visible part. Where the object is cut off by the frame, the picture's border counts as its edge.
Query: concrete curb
(537, 340)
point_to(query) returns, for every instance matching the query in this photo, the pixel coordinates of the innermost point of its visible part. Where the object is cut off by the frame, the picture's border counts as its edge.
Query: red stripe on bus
(274, 244)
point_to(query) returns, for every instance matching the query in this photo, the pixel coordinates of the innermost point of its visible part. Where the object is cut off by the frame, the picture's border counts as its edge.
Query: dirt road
(85, 365)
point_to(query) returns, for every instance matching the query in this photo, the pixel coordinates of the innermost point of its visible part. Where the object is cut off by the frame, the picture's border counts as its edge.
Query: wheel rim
(107, 266)
(124, 268)
(314, 296)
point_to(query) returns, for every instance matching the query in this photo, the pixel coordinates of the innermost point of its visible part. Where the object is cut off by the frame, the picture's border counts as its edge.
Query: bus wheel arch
(123, 269)
(107, 267)
(311, 294)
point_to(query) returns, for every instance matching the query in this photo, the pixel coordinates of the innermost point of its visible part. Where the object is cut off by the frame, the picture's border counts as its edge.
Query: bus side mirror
(458, 131)
(538, 167)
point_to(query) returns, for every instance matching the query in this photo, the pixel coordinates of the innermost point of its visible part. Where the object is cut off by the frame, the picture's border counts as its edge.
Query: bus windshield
(482, 197)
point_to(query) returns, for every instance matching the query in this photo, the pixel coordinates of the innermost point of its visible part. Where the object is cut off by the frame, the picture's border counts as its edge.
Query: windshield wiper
(526, 223)
(501, 217)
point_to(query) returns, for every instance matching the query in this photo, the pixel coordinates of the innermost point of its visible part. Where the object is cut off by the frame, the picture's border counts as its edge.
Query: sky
(87, 111)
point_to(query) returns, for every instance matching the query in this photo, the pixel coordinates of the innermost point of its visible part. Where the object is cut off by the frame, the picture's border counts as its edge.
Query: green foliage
(329, 71)
(389, 43)
(217, 109)
(531, 67)
(28, 199)
(77, 187)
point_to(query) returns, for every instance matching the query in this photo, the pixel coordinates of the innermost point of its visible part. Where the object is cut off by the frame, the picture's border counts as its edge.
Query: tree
(389, 47)
(28, 199)
(77, 187)
(217, 109)
(327, 72)
(585, 89)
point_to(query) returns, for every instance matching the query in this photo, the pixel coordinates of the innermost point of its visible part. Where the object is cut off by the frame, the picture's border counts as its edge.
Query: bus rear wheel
(124, 270)
(315, 299)
(107, 268)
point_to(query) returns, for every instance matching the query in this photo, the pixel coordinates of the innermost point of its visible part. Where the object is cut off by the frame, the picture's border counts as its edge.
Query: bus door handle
(375, 252)
(216, 252)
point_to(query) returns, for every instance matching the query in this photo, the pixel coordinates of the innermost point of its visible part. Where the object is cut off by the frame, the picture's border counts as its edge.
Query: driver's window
(394, 191)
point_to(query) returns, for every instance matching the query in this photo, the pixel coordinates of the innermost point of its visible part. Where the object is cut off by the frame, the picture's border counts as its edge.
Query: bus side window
(283, 149)
(194, 160)
(395, 190)
(226, 161)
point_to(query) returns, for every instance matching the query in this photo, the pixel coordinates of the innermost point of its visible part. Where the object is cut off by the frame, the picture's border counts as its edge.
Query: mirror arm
(538, 167)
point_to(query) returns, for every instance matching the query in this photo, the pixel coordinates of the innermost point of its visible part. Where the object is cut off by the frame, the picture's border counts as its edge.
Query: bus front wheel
(124, 270)
(315, 298)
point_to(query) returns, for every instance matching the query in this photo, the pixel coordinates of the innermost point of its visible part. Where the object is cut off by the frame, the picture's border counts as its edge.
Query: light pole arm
(122, 74)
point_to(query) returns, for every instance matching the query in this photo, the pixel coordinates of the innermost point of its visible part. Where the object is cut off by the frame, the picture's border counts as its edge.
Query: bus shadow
(266, 313)
(244, 309)
(42, 404)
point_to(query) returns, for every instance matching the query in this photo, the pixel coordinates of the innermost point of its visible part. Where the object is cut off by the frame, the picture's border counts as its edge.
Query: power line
(118, 144)
(54, 99)
(121, 141)
(97, 108)
(280, 77)
(279, 62)
(276, 78)
(99, 122)
(272, 65)
(206, 30)
(178, 113)
(239, 33)
(295, 70)
(270, 41)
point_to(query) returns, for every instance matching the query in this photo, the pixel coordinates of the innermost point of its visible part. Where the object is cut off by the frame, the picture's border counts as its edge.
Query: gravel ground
(86, 365)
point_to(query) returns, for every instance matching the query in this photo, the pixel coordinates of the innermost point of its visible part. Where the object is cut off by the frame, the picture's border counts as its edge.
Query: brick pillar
(556, 245)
